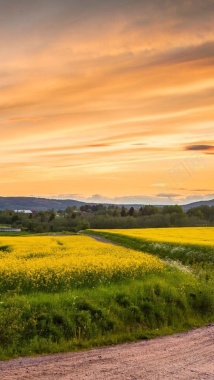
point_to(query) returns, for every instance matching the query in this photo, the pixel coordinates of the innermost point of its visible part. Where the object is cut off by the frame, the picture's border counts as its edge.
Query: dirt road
(186, 356)
(101, 239)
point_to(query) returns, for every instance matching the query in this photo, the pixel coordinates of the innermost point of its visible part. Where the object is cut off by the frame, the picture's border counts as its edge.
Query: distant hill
(36, 204)
(42, 204)
(199, 203)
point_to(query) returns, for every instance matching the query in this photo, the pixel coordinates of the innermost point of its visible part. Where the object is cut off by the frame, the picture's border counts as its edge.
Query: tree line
(74, 219)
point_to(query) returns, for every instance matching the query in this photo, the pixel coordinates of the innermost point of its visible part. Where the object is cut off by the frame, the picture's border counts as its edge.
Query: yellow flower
(184, 235)
(50, 264)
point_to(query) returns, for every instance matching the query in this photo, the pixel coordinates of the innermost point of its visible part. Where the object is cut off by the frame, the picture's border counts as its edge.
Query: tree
(149, 210)
(123, 212)
(131, 211)
(83, 224)
(172, 209)
(52, 216)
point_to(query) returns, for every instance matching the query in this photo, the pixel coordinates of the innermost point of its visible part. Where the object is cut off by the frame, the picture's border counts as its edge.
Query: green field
(50, 301)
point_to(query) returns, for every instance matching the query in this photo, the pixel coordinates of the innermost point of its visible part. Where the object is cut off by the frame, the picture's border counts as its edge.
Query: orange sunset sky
(107, 100)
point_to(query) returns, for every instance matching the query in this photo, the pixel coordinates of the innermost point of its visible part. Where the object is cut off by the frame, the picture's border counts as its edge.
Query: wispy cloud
(200, 147)
(168, 195)
(105, 95)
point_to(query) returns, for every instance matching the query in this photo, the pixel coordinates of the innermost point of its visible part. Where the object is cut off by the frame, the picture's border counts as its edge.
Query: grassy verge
(200, 258)
(21, 233)
(158, 304)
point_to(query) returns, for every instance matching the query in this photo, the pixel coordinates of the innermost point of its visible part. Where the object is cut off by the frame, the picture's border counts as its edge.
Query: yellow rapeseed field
(184, 235)
(59, 263)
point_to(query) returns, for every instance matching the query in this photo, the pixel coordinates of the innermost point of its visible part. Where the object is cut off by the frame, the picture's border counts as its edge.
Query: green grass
(185, 253)
(200, 258)
(21, 233)
(160, 304)
(171, 301)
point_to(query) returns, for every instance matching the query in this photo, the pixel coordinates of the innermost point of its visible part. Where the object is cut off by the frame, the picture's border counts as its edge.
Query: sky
(107, 100)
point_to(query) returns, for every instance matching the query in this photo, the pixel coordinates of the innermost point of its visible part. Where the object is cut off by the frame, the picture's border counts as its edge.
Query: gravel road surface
(185, 356)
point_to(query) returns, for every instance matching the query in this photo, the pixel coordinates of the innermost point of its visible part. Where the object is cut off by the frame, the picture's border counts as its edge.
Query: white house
(24, 211)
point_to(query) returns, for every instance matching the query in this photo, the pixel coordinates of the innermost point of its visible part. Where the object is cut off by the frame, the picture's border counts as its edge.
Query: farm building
(24, 211)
